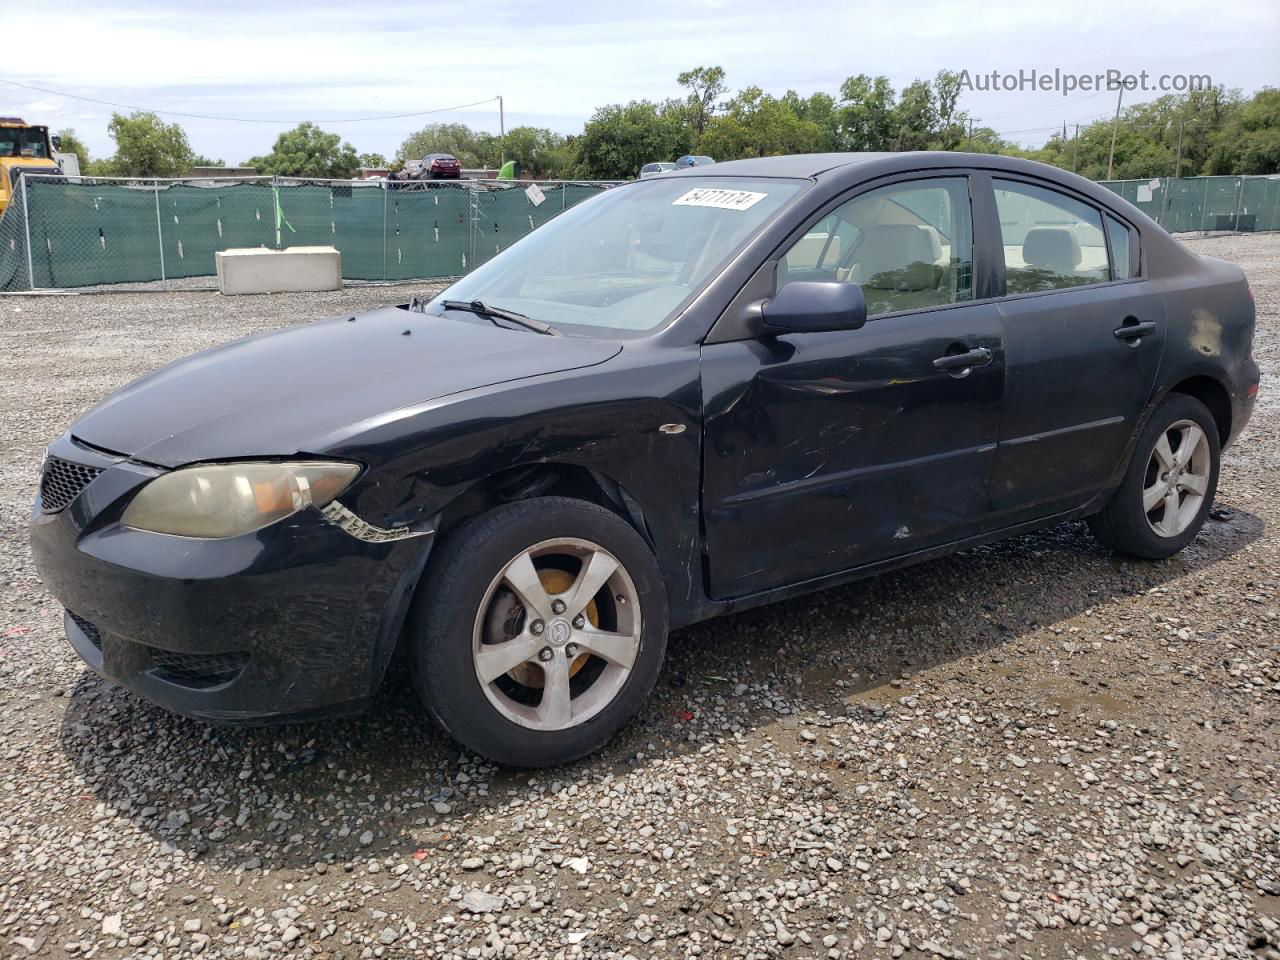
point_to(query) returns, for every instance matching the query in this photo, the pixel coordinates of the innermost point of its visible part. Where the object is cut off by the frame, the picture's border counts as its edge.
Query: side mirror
(809, 306)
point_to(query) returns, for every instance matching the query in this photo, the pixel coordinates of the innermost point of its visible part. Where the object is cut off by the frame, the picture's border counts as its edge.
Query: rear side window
(1050, 240)
(1124, 249)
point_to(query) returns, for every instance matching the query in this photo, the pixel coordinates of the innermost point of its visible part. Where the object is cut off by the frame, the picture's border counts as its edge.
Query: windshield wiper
(480, 309)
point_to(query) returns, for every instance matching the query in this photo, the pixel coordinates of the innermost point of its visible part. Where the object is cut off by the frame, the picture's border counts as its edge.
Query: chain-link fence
(1190, 204)
(63, 232)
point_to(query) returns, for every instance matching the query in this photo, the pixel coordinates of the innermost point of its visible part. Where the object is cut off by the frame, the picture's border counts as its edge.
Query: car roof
(798, 165)
(847, 169)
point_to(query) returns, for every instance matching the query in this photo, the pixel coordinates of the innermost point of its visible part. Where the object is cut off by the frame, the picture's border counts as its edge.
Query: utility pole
(502, 134)
(1115, 128)
(1177, 167)
(1075, 151)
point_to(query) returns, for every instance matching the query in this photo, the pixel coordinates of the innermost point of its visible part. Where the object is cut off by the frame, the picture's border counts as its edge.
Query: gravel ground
(1033, 749)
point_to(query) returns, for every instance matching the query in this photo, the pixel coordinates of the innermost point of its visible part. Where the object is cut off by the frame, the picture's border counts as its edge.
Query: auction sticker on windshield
(719, 198)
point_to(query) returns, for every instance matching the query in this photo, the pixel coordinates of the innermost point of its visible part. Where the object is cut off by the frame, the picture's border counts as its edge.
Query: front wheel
(540, 631)
(1166, 492)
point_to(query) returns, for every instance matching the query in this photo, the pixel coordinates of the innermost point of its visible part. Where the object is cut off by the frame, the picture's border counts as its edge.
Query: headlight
(222, 500)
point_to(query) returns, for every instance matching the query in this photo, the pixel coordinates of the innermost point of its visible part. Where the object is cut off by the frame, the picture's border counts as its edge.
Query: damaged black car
(690, 395)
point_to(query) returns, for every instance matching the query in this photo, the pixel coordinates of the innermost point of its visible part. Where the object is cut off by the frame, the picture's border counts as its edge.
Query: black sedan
(689, 395)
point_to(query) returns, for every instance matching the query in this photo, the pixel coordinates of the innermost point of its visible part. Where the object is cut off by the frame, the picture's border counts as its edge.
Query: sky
(283, 62)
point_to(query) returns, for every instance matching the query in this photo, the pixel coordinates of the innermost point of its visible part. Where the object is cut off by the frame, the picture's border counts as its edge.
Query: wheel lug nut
(544, 654)
(537, 627)
(579, 621)
(557, 606)
(571, 651)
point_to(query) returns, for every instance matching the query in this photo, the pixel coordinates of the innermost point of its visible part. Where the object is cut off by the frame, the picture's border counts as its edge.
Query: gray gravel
(1033, 749)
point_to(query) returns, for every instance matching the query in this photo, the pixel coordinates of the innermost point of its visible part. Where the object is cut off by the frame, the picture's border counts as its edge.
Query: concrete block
(259, 270)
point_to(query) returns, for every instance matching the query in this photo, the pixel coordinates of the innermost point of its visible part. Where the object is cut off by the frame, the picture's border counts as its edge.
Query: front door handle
(1133, 328)
(977, 357)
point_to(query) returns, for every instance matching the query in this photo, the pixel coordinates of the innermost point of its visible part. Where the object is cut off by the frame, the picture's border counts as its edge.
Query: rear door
(827, 451)
(1083, 332)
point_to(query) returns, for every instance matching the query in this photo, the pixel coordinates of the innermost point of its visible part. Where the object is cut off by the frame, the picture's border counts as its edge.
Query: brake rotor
(506, 620)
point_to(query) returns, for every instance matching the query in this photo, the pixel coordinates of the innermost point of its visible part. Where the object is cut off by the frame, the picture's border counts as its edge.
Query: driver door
(833, 450)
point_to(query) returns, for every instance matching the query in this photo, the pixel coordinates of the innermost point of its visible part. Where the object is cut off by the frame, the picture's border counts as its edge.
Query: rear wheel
(540, 631)
(1166, 493)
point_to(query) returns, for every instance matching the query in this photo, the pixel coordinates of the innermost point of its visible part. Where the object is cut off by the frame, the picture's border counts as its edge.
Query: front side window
(625, 261)
(1050, 240)
(909, 245)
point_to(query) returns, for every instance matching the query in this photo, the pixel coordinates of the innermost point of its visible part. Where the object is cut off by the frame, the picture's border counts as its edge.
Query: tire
(468, 618)
(1123, 524)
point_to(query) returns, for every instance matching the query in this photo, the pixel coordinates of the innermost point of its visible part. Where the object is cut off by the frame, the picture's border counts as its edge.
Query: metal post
(160, 237)
(471, 236)
(502, 135)
(1115, 128)
(1204, 203)
(384, 229)
(1235, 220)
(26, 222)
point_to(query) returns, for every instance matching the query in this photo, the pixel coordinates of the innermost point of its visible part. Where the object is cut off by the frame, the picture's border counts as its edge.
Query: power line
(207, 116)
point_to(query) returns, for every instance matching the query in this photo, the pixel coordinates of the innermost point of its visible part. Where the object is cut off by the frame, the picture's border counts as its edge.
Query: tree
(472, 148)
(1250, 142)
(620, 138)
(705, 85)
(375, 160)
(539, 152)
(73, 144)
(755, 124)
(307, 151)
(866, 113)
(146, 146)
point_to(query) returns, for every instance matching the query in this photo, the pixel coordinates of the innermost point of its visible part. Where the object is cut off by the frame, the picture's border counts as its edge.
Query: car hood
(302, 388)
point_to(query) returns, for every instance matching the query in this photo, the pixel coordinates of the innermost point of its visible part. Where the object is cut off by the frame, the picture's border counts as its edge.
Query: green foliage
(73, 144)
(307, 151)
(620, 138)
(705, 86)
(472, 148)
(539, 152)
(1250, 141)
(146, 146)
(375, 160)
(755, 124)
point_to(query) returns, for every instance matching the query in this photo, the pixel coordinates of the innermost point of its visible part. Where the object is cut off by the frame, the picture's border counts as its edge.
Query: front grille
(62, 482)
(197, 669)
(88, 629)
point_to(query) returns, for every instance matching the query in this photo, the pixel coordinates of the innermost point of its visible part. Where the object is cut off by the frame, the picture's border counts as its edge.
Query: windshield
(624, 262)
(21, 142)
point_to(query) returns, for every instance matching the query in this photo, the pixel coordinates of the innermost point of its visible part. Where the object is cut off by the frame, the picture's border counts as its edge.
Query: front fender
(607, 419)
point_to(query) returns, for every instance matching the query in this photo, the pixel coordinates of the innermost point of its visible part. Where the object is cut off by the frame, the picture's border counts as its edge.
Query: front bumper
(294, 620)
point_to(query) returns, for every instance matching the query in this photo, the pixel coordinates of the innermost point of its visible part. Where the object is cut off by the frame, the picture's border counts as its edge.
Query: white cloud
(554, 65)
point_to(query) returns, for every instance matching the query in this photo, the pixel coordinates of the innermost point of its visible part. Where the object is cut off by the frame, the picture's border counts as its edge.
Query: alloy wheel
(557, 634)
(1177, 478)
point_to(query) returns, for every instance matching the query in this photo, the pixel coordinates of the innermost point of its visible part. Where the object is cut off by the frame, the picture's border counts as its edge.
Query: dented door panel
(825, 451)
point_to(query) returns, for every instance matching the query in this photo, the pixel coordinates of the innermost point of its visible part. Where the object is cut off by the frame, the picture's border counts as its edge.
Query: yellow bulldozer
(23, 149)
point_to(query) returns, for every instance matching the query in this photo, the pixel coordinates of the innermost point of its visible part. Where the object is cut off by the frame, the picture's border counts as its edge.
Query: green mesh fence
(92, 232)
(1187, 204)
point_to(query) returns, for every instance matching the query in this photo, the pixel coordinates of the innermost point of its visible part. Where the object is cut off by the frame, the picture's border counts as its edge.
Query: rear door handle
(978, 357)
(1128, 331)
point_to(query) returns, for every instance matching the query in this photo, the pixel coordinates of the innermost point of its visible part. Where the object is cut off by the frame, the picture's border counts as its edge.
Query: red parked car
(440, 166)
